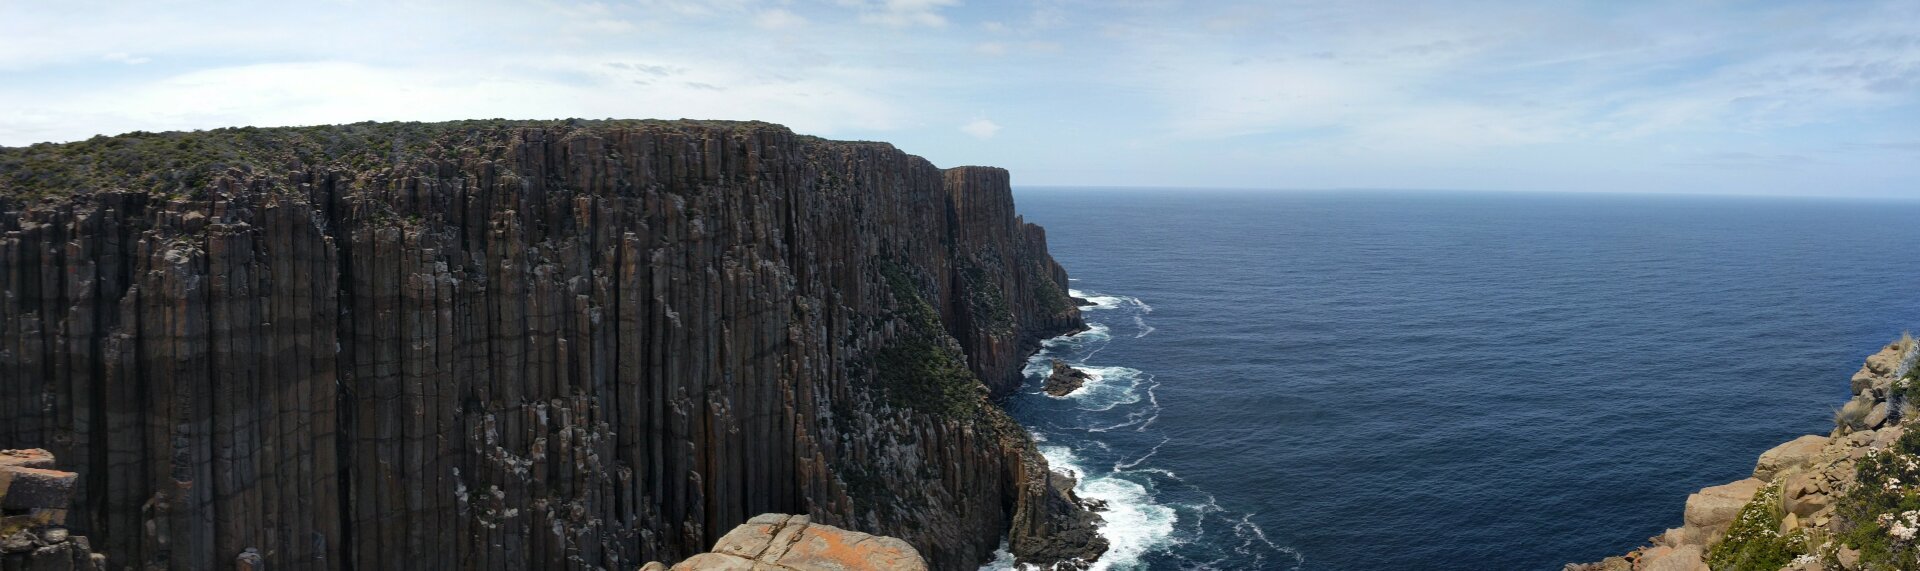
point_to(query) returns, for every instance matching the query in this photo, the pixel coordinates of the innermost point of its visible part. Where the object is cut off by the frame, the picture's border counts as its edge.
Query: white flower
(1902, 532)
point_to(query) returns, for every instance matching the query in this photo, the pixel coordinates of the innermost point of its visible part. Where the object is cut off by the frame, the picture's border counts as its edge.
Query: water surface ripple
(1394, 380)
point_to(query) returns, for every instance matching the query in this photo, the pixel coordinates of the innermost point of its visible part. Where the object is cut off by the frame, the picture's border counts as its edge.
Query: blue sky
(1720, 97)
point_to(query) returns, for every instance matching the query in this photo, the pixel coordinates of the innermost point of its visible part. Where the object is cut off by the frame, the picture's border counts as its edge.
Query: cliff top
(176, 161)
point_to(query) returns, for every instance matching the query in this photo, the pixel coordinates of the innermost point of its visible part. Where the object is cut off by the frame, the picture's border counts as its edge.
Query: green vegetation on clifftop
(183, 162)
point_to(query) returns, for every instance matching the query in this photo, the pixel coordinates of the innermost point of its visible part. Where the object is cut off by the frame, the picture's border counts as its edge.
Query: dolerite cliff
(492, 344)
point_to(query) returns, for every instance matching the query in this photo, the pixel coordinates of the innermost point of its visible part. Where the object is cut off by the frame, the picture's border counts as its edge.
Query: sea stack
(1065, 379)
(521, 344)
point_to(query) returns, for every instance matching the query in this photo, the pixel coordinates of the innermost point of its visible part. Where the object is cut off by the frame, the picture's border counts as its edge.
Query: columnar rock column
(496, 344)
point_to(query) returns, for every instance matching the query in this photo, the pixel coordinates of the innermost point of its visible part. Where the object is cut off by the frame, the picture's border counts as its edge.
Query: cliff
(494, 344)
(1836, 502)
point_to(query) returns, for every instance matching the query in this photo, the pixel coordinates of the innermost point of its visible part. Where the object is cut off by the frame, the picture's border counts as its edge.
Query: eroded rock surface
(34, 498)
(519, 345)
(780, 542)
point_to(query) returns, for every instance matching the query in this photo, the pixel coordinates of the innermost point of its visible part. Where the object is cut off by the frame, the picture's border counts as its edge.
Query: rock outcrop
(1064, 379)
(780, 542)
(33, 508)
(488, 344)
(1798, 481)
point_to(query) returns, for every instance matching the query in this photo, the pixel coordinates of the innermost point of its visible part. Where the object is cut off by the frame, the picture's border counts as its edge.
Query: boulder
(1615, 563)
(1789, 523)
(1885, 437)
(1862, 380)
(1792, 455)
(1713, 508)
(793, 542)
(1885, 361)
(1853, 414)
(1878, 415)
(1684, 558)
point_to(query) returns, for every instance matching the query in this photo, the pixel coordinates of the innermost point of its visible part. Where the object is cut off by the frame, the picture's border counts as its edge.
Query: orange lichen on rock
(780, 542)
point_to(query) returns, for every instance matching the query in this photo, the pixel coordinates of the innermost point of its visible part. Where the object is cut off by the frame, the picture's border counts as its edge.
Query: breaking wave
(1103, 433)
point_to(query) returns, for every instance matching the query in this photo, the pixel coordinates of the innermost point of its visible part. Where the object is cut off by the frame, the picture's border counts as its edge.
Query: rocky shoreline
(1805, 507)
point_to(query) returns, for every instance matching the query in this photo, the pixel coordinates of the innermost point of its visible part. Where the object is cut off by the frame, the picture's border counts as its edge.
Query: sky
(1806, 98)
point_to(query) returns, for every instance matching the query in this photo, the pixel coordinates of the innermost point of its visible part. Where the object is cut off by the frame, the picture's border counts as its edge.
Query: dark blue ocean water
(1406, 380)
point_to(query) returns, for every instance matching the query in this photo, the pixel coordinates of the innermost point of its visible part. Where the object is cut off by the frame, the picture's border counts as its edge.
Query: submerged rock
(1065, 379)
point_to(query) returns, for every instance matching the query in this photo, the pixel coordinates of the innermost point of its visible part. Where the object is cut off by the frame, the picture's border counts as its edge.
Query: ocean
(1445, 380)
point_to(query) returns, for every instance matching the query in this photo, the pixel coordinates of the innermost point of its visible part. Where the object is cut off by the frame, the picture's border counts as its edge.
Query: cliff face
(503, 345)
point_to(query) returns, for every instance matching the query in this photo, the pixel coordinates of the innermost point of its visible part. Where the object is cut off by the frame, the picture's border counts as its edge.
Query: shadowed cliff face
(502, 345)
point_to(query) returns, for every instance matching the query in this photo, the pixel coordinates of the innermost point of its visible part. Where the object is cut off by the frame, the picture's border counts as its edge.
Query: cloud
(901, 13)
(778, 19)
(982, 128)
(123, 57)
(1746, 160)
(307, 93)
(1447, 94)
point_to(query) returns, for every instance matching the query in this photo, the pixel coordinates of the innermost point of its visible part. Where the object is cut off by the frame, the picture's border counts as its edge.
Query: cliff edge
(513, 344)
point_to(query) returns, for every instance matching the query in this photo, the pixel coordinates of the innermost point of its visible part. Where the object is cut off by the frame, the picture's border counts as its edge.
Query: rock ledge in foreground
(780, 542)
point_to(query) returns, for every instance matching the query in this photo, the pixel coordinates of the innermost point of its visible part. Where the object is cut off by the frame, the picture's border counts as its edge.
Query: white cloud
(124, 57)
(826, 102)
(778, 19)
(982, 128)
(901, 13)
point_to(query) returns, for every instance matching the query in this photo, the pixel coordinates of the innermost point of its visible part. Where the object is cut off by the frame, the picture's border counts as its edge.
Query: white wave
(1150, 508)
(1140, 325)
(1097, 301)
(1128, 465)
(1002, 560)
(1102, 301)
(1134, 523)
(1095, 332)
(1108, 387)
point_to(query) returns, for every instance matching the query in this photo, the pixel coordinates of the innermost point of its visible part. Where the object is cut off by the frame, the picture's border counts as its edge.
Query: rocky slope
(495, 344)
(1816, 502)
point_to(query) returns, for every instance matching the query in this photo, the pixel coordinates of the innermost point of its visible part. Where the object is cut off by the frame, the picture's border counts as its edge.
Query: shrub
(1880, 513)
(1754, 541)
